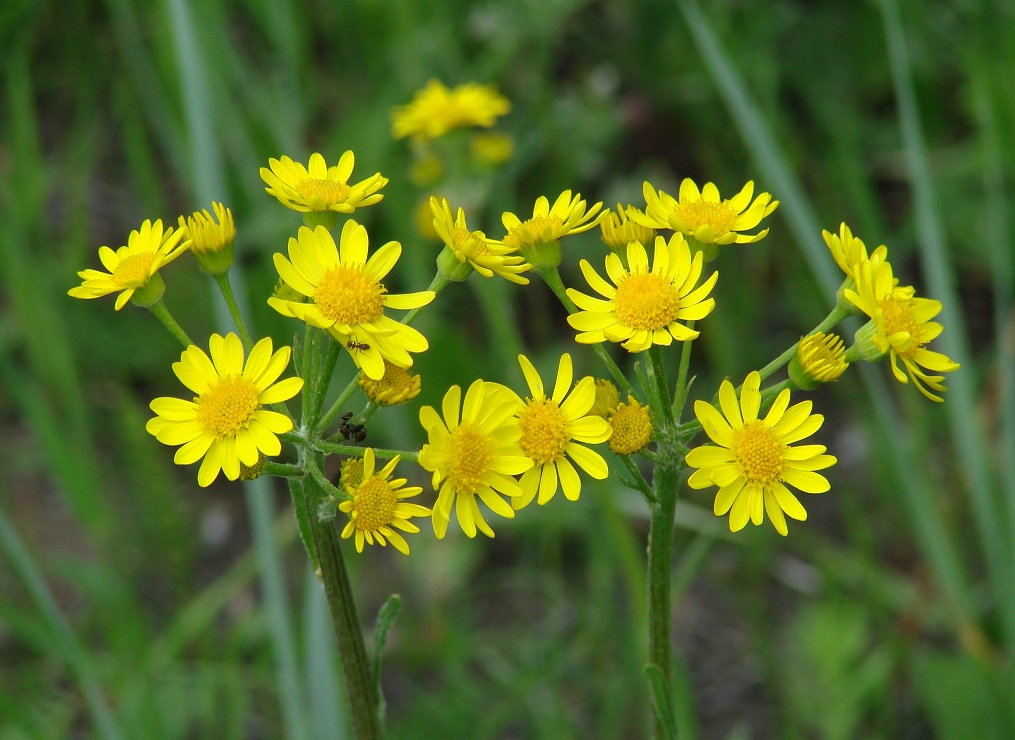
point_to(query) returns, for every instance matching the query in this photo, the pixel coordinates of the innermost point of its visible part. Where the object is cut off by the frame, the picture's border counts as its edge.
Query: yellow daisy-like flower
(473, 452)
(819, 358)
(347, 296)
(488, 257)
(538, 238)
(396, 386)
(619, 229)
(704, 215)
(377, 507)
(755, 458)
(225, 423)
(318, 187)
(435, 110)
(848, 251)
(552, 428)
(211, 242)
(632, 427)
(646, 305)
(900, 326)
(133, 269)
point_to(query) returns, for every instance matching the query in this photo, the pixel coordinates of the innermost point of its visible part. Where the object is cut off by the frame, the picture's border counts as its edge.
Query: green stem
(222, 280)
(283, 470)
(639, 480)
(324, 379)
(660, 562)
(363, 697)
(162, 314)
(658, 370)
(681, 388)
(383, 454)
(552, 278)
(333, 410)
(439, 282)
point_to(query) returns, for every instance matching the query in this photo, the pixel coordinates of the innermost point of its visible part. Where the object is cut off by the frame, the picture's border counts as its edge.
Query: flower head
(538, 238)
(900, 326)
(435, 110)
(347, 296)
(553, 428)
(318, 187)
(646, 306)
(211, 242)
(632, 427)
(704, 216)
(819, 359)
(473, 452)
(848, 251)
(488, 257)
(377, 508)
(607, 398)
(489, 149)
(619, 229)
(396, 386)
(133, 269)
(755, 458)
(226, 423)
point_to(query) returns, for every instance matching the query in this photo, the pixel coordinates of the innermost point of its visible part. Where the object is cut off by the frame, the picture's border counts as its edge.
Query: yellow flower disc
(545, 431)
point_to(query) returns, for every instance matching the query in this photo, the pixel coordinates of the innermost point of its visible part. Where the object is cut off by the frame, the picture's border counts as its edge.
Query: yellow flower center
(632, 428)
(228, 407)
(898, 317)
(758, 453)
(821, 356)
(697, 213)
(347, 295)
(467, 243)
(352, 473)
(135, 270)
(374, 505)
(395, 386)
(646, 301)
(331, 192)
(470, 453)
(545, 431)
(536, 230)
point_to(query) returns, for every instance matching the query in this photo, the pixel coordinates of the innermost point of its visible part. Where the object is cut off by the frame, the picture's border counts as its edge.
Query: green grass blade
(967, 435)
(30, 576)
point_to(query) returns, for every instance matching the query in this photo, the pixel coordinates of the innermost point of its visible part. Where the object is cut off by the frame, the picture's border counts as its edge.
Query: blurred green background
(133, 603)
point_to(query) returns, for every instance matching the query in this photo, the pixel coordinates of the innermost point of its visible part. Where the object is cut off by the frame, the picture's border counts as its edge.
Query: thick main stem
(660, 560)
(363, 698)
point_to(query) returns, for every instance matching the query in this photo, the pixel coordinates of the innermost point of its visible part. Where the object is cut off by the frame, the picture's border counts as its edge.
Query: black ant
(352, 432)
(360, 346)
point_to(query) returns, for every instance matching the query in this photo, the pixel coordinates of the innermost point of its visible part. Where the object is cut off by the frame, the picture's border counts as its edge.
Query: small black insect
(353, 432)
(360, 346)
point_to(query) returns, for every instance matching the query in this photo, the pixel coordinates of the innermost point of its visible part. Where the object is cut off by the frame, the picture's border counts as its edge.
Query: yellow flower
(435, 110)
(377, 508)
(706, 217)
(491, 149)
(900, 326)
(225, 423)
(848, 251)
(473, 452)
(632, 427)
(552, 428)
(210, 242)
(486, 256)
(133, 269)
(347, 296)
(538, 238)
(819, 359)
(645, 306)
(396, 386)
(619, 230)
(607, 398)
(755, 458)
(318, 187)
(350, 473)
